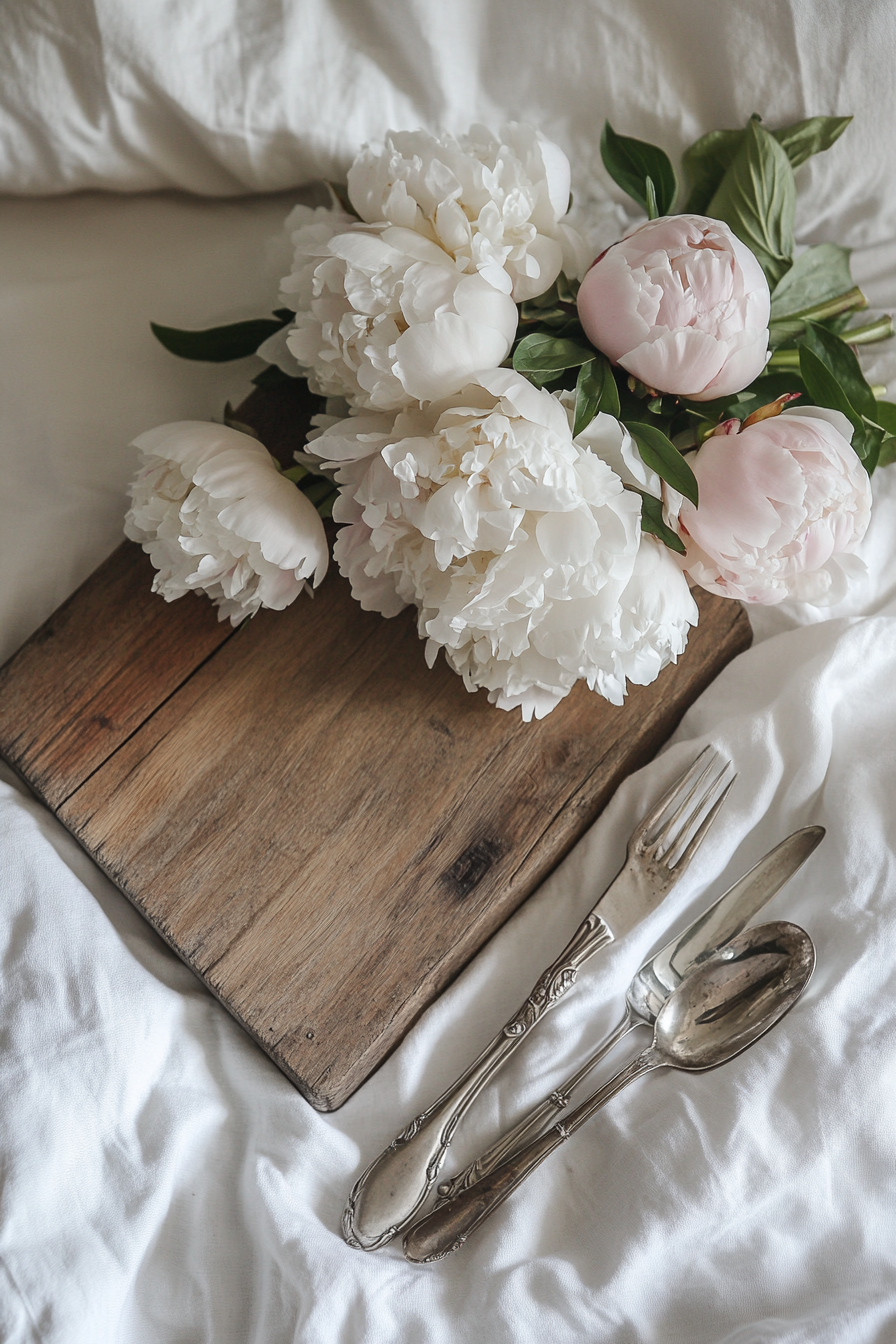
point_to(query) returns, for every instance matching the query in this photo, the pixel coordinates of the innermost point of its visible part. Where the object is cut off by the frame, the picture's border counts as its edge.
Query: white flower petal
(235, 527)
(519, 548)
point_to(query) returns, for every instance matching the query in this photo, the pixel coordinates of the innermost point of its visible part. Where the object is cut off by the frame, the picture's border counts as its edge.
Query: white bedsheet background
(260, 95)
(160, 1181)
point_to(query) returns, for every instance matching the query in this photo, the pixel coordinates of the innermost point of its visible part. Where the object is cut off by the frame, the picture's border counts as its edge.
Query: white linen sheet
(160, 1181)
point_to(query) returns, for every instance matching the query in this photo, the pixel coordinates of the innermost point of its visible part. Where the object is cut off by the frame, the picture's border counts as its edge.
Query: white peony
(214, 514)
(611, 440)
(383, 315)
(495, 203)
(519, 547)
(656, 610)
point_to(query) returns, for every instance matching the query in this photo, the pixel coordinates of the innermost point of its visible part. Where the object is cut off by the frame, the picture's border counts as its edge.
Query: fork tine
(691, 803)
(700, 797)
(674, 792)
(689, 841)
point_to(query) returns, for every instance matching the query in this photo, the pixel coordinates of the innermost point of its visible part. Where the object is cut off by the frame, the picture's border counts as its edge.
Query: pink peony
(683, 305)
(782, 505)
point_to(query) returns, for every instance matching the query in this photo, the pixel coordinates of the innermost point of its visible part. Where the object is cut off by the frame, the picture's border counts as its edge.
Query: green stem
(879, 330)
(843, 303)
(784, 359)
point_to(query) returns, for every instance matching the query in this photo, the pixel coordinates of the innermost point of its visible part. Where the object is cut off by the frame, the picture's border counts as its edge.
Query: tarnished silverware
(652, 985)
(386, 1198)
(720, 1009)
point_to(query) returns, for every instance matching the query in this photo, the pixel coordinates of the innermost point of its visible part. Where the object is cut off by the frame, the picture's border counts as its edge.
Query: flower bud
(781, 504)
(683, 305)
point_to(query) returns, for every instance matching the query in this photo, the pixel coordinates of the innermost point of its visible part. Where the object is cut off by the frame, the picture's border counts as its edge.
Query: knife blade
(725, 918)
(651, 986)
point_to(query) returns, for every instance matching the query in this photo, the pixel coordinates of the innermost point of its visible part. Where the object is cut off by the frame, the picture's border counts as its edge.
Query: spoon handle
(532, 1124)
(448, 1226)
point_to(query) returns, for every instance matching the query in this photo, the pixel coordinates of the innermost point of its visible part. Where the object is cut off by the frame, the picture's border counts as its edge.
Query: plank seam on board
(140, 726)
(447, 820)
(263, 905)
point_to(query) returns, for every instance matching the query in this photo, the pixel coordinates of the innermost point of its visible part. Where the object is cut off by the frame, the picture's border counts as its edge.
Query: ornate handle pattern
(385, 1199)
(448, 1226)
(538, 1118)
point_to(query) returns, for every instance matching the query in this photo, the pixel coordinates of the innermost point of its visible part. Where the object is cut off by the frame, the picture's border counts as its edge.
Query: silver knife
(386, 1198)
(653, 984)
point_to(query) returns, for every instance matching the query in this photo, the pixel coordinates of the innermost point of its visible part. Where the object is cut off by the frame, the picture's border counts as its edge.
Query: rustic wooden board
(324, 829)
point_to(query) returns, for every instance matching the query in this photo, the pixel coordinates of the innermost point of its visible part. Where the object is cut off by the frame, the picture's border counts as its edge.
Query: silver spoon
(725, 1004)
(651, 987)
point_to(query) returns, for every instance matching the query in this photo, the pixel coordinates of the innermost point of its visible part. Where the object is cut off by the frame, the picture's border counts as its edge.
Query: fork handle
(537, 1119)
(385, 1199)
(448, 1226)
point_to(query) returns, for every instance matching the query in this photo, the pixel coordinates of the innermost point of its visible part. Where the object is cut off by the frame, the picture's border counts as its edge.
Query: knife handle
(537, 1119)
(385, 1199)
(448, 1226)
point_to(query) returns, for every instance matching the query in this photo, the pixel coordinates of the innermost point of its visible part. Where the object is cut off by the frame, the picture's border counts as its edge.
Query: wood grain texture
(323, 828)
(100, 666)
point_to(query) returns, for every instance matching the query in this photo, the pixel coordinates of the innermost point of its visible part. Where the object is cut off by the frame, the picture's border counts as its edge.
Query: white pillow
(229, 96)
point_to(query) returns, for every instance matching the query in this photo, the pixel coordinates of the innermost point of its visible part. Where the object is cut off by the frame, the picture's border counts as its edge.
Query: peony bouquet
(538, 448)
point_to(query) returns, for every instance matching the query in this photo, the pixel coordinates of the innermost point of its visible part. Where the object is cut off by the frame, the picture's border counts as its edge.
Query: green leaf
(542, 357)
(841, 361)
(823, 387)
(296, 473)
(271, 376)
(785, 331)
(595, 391)
(546, 317)
(813, 136)
(660, 455)
(567, 289)
(821, 273)
(217, 345)
(652, 521)
(316, 488)
(886, 416)
(709, 158)
(706, 163)
(871, 460)
(631, 162)
(650, 193)
(757, 200)
(825, 390)
(325, 508)
(550, 304)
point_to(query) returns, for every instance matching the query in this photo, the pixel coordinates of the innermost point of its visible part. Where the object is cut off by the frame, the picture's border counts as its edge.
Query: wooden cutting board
(323, 828)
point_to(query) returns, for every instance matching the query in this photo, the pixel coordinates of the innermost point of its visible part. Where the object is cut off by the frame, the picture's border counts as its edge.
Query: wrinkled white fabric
(261, 95)
(162, 1182)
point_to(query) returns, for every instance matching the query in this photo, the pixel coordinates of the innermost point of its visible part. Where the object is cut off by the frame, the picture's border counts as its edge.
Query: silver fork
(386, 1198)
(651, 986)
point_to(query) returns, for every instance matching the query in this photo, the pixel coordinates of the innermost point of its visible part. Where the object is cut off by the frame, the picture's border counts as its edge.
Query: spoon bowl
(734, 997)
(720, 1008)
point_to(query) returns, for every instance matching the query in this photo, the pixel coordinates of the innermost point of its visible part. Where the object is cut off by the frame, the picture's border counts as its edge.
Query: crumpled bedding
(230, 96)
(162, 1183)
